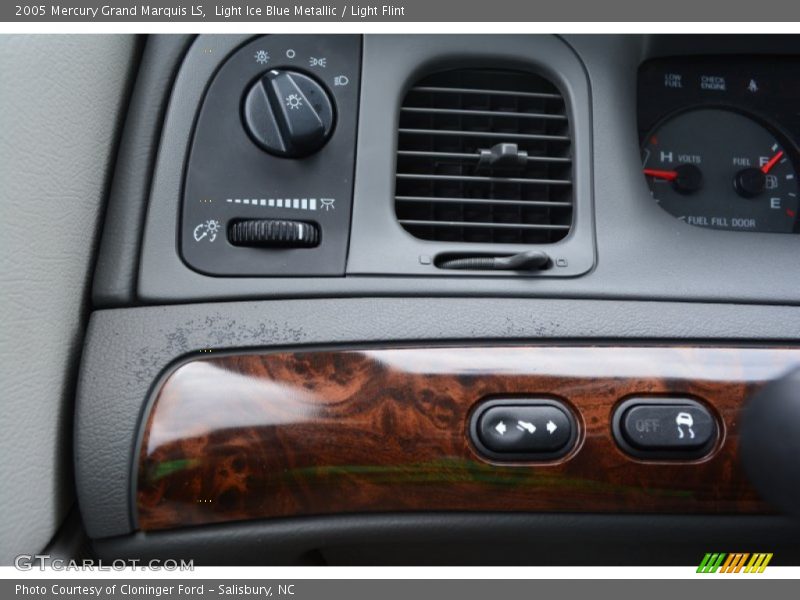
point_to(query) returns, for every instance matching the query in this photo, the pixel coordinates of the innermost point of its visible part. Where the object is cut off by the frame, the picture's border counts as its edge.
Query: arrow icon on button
(551, 427)
(500, 428)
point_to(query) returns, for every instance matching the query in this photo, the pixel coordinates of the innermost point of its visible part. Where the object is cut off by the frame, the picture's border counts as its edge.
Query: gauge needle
(772, 162)
(668, 175)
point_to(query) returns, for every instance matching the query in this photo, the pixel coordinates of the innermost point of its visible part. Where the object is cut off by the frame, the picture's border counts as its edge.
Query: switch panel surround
(231, 178)
(392, 429)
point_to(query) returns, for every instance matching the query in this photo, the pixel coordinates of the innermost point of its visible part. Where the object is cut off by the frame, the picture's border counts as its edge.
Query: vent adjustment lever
(532, 260)
(501, 156)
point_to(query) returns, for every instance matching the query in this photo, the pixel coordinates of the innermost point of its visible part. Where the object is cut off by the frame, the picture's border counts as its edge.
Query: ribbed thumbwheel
(278, 233)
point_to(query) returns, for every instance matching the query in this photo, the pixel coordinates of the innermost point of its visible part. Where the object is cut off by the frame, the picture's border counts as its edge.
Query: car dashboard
(447, 299)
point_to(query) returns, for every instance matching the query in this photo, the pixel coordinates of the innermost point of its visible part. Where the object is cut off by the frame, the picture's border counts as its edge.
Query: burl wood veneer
(289, 434)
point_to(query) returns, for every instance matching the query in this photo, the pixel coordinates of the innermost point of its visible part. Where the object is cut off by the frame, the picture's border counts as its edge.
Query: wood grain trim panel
(309, 433)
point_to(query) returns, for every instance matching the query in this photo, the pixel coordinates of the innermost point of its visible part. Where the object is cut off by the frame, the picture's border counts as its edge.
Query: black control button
(749, 183)
(523, 429)
(288, 113)
(689, 179)
(664, 428)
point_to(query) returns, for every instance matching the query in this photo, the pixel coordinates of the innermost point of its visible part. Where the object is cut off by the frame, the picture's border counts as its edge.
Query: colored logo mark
(736, 562)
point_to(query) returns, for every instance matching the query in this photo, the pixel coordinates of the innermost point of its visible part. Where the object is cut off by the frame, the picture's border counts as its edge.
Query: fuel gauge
(717, 168)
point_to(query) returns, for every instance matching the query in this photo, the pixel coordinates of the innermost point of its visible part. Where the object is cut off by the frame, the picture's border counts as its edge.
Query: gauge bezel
(784, 139)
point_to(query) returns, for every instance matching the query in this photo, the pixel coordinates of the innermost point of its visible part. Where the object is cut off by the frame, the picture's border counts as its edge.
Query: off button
(665, 428)
(523, 429)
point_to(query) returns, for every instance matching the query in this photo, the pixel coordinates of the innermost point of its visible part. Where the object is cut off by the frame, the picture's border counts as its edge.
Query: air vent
(484, 156)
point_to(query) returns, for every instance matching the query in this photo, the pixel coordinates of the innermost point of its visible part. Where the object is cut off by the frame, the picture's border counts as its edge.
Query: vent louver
(484, 156)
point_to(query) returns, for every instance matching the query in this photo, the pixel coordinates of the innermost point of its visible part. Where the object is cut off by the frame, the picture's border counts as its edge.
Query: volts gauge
(720, 169)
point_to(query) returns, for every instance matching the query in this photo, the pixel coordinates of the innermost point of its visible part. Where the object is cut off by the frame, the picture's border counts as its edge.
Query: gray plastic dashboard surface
(127, 351)
(118, 256)
(642, 252)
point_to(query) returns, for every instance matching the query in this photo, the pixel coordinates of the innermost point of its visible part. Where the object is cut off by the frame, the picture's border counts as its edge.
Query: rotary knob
(274, 233)
(770, 442)
(288, 113)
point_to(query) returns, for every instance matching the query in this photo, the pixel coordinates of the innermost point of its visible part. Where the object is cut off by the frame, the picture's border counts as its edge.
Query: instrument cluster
(719, 140)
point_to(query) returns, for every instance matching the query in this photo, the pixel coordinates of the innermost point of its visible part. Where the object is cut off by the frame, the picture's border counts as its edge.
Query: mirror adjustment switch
(520, 429)
(677, 428)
